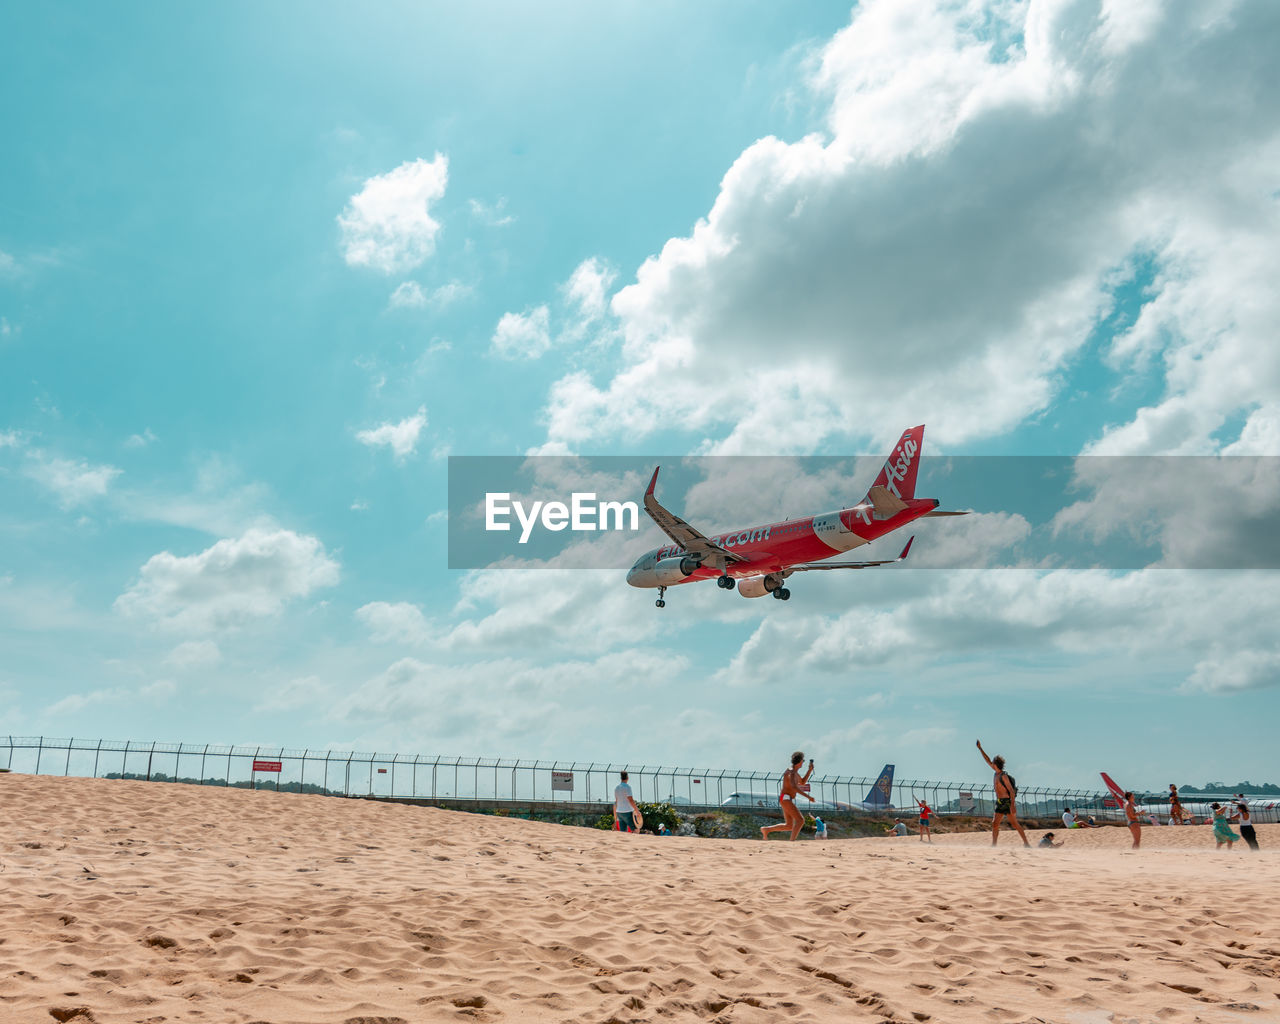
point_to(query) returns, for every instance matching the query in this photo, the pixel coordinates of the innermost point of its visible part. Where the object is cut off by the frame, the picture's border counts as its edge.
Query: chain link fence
(500, 782)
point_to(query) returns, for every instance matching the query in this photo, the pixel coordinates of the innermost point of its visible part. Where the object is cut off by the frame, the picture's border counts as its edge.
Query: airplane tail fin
(881, 792)
(1112, 786)
(897, 480)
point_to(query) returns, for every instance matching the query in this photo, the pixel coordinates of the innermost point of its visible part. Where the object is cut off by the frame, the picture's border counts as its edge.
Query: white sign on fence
(562, 781)
(966, 801)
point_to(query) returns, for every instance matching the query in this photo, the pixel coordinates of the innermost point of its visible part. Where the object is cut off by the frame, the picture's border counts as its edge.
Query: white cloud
(140, 440)
(233, 583)
(522, 335)
(151, 693)
(493, 214)
(985, 173)
(491, 704)
(219, 502)
(76, 702)
(194, 654)
(401, 438)
(295, 695)
(587, 290)
(10, 439)
(158, 691)
(395, 623)
(411, 295)
(1233, 671)
(388, 224)
(1200, 513)
(1124, 624)
(73, 481)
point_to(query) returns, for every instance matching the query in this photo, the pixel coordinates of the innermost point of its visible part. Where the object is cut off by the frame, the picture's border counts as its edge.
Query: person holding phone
(793, 785)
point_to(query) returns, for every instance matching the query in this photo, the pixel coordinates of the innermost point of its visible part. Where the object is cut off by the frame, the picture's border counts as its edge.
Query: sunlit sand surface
(129, 902)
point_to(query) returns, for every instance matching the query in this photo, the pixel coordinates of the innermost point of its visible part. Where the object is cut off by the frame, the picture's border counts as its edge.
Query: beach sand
(133, 901)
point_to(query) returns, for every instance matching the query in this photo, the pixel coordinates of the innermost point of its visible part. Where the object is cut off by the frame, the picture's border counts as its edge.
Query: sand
(130, 902)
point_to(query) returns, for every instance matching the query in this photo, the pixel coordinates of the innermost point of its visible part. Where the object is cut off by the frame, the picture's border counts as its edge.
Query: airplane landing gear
(660, 603)
(782, 594)
(725, 582)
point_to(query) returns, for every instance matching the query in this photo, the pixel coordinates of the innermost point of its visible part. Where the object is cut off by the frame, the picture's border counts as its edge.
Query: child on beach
(1047, 843)
(1221, 829)
(925, 811)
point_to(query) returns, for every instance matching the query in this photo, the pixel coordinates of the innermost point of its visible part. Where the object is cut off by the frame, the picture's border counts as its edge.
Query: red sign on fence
(266, 766)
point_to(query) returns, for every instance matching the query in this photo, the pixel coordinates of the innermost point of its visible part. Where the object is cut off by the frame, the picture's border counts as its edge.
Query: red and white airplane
(759, 559)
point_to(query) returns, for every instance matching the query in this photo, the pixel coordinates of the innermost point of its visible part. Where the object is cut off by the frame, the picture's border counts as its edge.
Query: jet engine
(758, 586)
(673, 570)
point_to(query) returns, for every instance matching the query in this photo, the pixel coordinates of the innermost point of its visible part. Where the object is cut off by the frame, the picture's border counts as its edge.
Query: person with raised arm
(1006, 798)
(925, 812)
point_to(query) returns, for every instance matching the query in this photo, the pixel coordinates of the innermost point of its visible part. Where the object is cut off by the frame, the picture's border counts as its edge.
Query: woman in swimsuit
(793, 785)
(1175, 805)
(1221, 830)
(1131, 815)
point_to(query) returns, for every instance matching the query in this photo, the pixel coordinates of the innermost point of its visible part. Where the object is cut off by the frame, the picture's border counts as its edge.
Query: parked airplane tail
(881, 792)
(897, 480)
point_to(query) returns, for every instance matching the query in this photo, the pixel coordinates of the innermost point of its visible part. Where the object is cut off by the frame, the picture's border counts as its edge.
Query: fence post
(39, 752)
(95, 758)
(203, 754)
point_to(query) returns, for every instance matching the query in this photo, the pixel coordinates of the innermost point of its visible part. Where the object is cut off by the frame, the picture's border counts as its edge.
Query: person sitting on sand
(1131, 816)
(1069, 820)
(1221, 830)
(899, 828)
(1006, 798)
(1047, 843)
(793, 784)
(819, 828)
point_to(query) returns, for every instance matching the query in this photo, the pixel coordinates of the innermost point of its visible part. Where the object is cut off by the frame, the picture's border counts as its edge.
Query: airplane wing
(807, 566)
(682, 534)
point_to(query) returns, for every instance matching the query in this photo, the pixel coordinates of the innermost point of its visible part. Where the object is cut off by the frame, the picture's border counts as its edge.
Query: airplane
(877, 798)
(759, 559)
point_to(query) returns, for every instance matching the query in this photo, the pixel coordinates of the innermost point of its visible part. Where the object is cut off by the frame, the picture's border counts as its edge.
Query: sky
(265, 270)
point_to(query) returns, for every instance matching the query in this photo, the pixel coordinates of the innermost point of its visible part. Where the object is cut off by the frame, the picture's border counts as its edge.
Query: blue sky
(262, 270)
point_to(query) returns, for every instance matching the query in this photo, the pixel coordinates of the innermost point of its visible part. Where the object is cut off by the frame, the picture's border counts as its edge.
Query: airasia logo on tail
(899, 464)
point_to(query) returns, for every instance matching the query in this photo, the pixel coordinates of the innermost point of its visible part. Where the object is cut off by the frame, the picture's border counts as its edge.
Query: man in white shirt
(1071, 821)
(624, 807)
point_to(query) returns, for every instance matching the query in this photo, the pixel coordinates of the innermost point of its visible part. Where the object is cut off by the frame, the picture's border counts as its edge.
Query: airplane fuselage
(774, 547)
